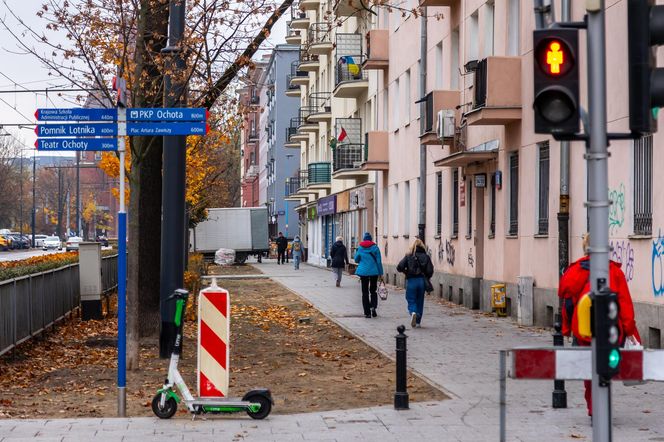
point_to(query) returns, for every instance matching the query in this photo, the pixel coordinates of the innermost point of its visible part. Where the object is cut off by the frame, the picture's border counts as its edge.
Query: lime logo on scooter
(256, 403)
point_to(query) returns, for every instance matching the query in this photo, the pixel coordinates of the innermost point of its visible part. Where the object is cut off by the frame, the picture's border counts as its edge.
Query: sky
(19, 71)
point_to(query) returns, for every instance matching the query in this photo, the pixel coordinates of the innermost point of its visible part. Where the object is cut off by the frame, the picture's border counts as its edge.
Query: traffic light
(607, 335)
(556, 81)
(645, 30)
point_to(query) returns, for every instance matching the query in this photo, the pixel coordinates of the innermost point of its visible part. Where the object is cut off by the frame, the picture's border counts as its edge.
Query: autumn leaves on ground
(278, 341)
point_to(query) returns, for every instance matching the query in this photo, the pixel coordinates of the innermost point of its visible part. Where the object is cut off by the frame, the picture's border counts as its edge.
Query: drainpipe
(422, 188)
(559, 396)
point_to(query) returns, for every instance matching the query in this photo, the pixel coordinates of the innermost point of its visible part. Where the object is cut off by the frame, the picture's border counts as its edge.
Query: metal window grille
(543, 217)
(455, 202)
(303, 178)
(349, 58)
(348, 156)
(514, 194)
(469, 208)
(643, 185)
(439, 202)
(428, 114)
(492, 224)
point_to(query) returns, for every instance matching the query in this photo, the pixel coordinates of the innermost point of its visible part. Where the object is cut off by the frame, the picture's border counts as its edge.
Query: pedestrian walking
(418, 268)
(369, 268)
(296, 250)
(574, 283)
(282, 247)
(339, 256)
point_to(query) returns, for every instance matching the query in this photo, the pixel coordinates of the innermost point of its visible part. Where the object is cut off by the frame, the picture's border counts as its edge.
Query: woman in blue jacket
(369, 268)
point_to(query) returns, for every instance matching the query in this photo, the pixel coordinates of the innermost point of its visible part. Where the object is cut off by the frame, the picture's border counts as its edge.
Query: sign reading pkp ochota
(82, 144)
(167, 114)
(77, 130)
(77, 114)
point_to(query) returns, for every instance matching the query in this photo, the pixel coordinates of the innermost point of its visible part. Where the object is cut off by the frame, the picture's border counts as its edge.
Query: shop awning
(463, 159)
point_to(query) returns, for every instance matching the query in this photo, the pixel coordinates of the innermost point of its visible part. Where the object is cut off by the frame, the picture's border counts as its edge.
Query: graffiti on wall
(623, 253)
(617, 208)
(471, 258)
(441, 250)
(450, 252)
(658, 265)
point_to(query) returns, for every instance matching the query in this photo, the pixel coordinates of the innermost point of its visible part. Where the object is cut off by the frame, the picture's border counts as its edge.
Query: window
(492, 224)
(406, 215)
(514, 194)
(455, 202)
(408, 104)
(469, 207)
(439, 65)
(513, 25)
(439, 202)
(395, 106)
(543, 213)
(488, 28)
(394, 221)
(454, 60)
(643, 185)
(386, 203)
(473, 40)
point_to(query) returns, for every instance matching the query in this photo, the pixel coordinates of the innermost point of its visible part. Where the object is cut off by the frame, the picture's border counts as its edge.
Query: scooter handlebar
(179, 294)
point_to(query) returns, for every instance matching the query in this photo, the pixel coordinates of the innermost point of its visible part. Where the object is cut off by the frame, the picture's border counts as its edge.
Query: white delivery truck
(243, 229)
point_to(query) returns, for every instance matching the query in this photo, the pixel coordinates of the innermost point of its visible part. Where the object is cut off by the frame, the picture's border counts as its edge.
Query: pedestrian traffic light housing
(607, 335)
(556, 80)
(645, 30)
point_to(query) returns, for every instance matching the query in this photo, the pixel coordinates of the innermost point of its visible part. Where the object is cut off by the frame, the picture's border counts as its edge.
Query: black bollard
(559, 396)
(401, 393)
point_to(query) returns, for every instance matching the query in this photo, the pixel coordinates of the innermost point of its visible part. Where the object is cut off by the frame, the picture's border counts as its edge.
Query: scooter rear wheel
(266, 406)
(169, 409)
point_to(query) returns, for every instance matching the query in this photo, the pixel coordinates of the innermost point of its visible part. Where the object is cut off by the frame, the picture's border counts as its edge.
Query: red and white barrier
(213, 341)
(576, 364)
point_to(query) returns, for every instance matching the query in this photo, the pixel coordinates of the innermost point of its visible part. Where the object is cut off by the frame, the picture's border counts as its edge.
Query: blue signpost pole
(122, 275)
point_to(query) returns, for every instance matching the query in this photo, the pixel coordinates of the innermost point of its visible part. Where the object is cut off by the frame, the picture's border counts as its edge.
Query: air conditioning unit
(445, 124)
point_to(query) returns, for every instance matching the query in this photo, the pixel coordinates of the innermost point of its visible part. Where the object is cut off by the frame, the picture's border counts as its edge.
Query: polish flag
(343, 135)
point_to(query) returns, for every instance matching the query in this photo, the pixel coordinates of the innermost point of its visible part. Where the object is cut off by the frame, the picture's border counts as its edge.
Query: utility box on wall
(89, 270)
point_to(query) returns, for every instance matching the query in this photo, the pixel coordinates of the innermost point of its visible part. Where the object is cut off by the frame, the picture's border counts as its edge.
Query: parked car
(73, 242)
(20, 242)
(39, 240)
(52, 243)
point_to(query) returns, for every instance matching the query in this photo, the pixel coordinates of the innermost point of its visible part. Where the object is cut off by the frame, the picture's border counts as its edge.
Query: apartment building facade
(249, 106)
(492, 190)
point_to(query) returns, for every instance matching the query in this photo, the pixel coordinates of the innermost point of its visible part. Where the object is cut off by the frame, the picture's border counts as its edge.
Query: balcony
(318, 175)
(435, 102)
(377, 151)
(439, 3)
(309, 5)
(496, 92)
(299, 19)
(346, 8)
(297, 135)
(351, 78)
(291, 188)
(308, 62)
(306, 126)
(320, 107)
(319, 39)
(347, 160)
(252, 171)
(377, 50)
(294, 36)
(292, 90)
(289, 142)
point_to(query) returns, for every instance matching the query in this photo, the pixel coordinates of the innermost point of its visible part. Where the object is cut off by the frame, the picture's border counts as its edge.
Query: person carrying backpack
(296, 251)
(339, 256)
(369, 268)
(575, 283)
(418, 268)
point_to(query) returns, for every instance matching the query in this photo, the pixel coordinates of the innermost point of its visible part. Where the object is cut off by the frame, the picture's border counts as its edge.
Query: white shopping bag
(632, 344)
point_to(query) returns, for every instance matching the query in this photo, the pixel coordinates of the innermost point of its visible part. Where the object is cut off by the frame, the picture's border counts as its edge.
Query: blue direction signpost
(77, 114)
(157, 129)
(167, 114)
(77, 144)
(77, 130)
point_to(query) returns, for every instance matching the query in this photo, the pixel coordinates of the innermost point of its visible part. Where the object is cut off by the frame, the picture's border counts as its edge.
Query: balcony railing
(428, 117)
(480, 84)
(289, 86)
(304, 112)
(292, 185)
(303, 178)
(319, 102)
(290, 131)
(349, 68)
(252, 171)
(319, 173)
(319, 33)
(349, 156)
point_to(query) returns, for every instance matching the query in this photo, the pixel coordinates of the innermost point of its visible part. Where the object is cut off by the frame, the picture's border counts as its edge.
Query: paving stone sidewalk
(456, 350)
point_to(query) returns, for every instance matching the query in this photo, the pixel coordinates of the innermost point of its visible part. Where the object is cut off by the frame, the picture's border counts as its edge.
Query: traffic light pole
(598, 203)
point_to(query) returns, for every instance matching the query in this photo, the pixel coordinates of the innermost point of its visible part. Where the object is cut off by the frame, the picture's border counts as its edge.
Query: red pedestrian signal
(556, 81)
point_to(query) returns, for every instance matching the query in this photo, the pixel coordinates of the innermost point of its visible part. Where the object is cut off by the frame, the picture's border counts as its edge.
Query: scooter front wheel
(266, 406)
(167, 411)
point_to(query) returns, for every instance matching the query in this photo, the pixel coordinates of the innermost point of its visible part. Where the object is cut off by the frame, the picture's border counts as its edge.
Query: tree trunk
(133, 262)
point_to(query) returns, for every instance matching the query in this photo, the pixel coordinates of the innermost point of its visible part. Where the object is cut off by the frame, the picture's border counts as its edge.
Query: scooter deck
(231, 402)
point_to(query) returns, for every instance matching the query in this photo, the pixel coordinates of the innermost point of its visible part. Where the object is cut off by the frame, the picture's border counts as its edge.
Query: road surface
(15, 255)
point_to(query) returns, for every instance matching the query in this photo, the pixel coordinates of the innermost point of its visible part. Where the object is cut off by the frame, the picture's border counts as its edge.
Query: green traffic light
(614, 358)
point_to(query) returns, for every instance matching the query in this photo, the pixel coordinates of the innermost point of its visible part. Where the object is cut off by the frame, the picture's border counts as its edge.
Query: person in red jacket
(575, 283)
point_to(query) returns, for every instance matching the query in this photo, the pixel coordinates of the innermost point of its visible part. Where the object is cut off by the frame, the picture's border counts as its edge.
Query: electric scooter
(257, 403)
